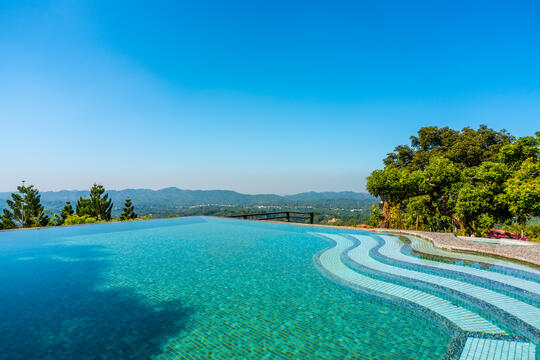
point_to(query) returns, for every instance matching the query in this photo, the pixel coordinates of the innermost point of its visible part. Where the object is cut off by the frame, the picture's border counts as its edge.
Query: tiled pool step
(525, 312)
(490, 349)
(330, 261)
(360, 256)
(392, 249)
(426, 247)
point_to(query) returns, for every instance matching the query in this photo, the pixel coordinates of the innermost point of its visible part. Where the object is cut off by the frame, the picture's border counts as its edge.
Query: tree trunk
(385, 222)
(460, 223)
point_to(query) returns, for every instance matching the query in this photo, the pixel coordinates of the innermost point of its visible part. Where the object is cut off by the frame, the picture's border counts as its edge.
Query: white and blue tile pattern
(490, 349)
(493, 315)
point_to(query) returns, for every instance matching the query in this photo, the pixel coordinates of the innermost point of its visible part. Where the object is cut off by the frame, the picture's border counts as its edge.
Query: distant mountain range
(343, 195)
(174, 198)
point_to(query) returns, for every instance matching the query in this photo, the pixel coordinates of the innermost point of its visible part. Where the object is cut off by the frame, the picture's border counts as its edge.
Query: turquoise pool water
(194, 288)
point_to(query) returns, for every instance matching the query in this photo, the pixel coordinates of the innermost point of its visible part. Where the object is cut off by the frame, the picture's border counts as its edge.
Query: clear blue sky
(254, 96)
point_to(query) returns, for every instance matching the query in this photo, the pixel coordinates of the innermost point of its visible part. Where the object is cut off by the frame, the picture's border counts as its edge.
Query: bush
(76, 220)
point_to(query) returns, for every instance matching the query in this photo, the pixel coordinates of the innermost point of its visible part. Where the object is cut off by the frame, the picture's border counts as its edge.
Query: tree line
(462, 181)
(25, 210)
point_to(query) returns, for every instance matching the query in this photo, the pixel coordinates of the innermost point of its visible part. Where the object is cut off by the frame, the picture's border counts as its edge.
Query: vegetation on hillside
(25, 210)
(161, 203)
(97, 205)
(463, 181)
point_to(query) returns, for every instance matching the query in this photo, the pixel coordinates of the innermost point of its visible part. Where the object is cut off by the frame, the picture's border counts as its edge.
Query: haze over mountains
(172, 197)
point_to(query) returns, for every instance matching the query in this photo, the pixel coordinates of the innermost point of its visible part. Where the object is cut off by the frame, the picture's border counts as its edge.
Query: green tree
(98, 205)
(480, 203)
(419, 213)
(465, 148)
(457, 179)
(475, 203)
(25, 209)
(523, 148)
(7, 220)
(375, 216)
(67, 210)
(64, 214)
(84, 207)
(522, 191)
(472, 147)
(128, 213)
(393, 186)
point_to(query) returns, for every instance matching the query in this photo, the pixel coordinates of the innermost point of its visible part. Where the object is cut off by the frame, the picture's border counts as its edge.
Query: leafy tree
(67, 210)
(98, 205)
(474, 203)
(432, 138)
(375, 216)
(7, 220)
(25, 209)
(128, 213)
(522, 149)
(419, 213)
(401, 157)
(84, 207)
(468, 180)
(465, 148)
(472, 147)
(393, 186)
(522, 191)
(479, 201)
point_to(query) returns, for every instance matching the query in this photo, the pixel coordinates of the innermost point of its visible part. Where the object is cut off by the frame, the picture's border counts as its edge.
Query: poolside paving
(448, 241)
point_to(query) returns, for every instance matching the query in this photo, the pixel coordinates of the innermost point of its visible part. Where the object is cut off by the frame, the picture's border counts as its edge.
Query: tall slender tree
(98, 205)
(128, 213)
(25, 209)
(100, 202)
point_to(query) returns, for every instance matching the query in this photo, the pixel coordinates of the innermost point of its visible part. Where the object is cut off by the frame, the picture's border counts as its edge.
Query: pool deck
(529, 254)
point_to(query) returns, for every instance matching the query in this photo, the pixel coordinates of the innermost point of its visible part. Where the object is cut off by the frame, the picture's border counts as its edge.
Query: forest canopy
(463, 181)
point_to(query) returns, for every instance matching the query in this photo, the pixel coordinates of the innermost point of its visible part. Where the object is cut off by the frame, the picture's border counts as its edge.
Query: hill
(343, 195)
(172, 200)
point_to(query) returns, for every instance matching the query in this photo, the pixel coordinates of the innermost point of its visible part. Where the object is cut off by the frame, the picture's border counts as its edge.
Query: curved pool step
(489, 349)
(524, 312)
(392, 249)
(330, 261)
(504, 267)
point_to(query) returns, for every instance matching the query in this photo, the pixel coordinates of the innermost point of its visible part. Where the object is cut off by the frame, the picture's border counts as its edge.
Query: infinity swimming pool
(210, 288)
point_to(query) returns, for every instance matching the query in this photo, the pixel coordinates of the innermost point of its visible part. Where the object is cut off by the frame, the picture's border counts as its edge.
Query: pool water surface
(211, 288)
